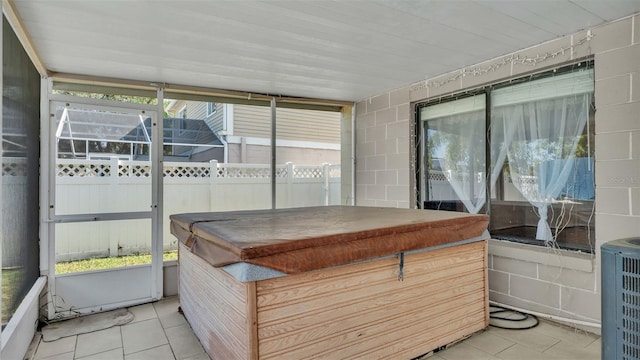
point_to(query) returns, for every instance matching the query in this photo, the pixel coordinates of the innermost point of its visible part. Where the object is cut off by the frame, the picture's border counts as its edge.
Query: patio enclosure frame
(48, 252)
(137, 284)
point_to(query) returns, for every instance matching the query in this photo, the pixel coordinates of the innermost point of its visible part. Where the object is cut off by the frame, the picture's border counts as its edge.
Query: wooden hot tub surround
(361, 282)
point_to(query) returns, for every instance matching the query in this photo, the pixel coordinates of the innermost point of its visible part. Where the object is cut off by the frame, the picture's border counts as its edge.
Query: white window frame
(211, 108)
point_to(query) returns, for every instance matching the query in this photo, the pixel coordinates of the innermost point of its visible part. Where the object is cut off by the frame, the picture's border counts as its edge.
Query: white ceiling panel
(339, 50)
(551, 17)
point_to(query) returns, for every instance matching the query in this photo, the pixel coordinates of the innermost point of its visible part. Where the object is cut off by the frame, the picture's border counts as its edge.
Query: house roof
(341, 50)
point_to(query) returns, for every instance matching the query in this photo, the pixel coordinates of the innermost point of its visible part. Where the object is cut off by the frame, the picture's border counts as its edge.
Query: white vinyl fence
(440, 189)
(99, 186)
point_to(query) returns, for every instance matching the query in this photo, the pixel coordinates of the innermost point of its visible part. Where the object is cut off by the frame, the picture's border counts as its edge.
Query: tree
(122, 98)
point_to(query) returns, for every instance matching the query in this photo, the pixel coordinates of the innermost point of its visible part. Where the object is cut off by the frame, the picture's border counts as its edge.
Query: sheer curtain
(539, 137)
(457, 136)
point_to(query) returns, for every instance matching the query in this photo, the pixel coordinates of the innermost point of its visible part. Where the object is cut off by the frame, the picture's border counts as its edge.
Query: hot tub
(331, 282)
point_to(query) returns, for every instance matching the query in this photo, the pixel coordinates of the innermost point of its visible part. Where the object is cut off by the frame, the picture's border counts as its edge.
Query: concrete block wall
(555, 282)
(558, 283)
(382, 150)
(617, 89)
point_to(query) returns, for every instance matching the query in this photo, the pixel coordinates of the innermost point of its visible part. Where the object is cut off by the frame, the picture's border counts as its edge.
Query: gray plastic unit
(621, 299)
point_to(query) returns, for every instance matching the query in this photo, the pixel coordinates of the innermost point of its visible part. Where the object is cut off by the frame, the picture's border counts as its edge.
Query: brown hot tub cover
(303, 239)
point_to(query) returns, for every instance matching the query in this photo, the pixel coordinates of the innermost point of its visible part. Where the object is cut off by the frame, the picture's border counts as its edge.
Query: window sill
(567, 259)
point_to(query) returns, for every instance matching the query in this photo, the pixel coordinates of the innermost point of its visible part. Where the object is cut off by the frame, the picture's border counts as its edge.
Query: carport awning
(76, 124)
(89, 125)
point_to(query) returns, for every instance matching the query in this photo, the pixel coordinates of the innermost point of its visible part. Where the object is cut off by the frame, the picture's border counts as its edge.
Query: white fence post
(325, 183)
(114, 169)
(289, 184)
(213, 180)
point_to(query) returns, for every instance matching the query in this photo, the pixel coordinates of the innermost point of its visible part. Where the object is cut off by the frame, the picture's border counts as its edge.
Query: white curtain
(457, 147)
(539, 139)
(535, 129)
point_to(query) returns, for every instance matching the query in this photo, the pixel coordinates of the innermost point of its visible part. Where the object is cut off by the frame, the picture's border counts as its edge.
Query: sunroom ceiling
(339, 50)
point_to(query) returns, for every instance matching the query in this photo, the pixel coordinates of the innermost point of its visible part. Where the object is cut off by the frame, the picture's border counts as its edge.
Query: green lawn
(109, 262)
(10, 277)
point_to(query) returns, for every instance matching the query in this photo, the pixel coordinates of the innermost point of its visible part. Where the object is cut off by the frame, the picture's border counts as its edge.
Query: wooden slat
(292, 288)
(420, 325)
(355, 311)
(396, 298)
(364, 292)
(303, 331)
(451, 331)
(216, 307)
(427, 330)
(252, 321)
(486, 285)
(363, 311)
(330, 274)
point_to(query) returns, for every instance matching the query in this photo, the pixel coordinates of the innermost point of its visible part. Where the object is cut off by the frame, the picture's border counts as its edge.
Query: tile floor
(159, 332)
(546, 341)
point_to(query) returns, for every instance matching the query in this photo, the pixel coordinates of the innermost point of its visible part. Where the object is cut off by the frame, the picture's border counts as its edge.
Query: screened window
(455, 155)
(20, 173)
(539, 173)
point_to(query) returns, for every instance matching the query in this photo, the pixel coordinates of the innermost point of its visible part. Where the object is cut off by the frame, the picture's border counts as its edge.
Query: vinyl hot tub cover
(297, 240)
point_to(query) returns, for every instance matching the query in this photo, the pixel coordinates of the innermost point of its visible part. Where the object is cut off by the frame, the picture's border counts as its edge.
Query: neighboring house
(303, 136)
(192, 140)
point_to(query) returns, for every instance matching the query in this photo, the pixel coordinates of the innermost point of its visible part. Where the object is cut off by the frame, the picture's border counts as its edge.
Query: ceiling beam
(9, 10)
(85, 83)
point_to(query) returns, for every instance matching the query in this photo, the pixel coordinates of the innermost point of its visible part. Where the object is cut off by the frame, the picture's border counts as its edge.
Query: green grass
(10, 277)
(109, 262)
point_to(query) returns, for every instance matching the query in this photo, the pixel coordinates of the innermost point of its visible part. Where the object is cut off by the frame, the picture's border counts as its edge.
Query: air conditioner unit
(621, 299)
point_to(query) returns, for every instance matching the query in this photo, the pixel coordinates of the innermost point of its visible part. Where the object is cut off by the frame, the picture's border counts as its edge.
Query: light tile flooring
(545, 341)
(159, 332)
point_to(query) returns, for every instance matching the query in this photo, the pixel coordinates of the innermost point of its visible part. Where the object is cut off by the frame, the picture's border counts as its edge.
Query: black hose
(521, 321)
